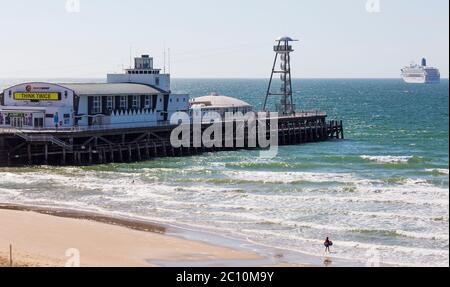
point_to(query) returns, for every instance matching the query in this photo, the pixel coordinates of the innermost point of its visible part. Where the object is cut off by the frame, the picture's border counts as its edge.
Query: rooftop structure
(142, 73)
(216, 106)
(218, 101)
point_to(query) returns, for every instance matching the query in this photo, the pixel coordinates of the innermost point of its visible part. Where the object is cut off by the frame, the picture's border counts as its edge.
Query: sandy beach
(48, 238)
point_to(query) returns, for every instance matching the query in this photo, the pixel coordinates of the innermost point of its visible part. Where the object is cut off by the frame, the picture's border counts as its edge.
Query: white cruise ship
(423, 74)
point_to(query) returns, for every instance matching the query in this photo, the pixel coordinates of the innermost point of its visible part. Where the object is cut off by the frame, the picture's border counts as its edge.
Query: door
(38, 122)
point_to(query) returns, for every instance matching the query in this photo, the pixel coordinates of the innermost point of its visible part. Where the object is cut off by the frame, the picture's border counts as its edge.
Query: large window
(148, 102)
(123, 102)
(136, 102)
(97, 105)
(109, 103)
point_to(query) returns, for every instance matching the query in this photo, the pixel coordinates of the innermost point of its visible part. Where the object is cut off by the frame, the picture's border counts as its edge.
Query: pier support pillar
(30, 159)
(138, 149)
(130, 154)
(147, 151)
(111, 151)
(120, 153)
(90, 154)
(64, 156)
(46, 154)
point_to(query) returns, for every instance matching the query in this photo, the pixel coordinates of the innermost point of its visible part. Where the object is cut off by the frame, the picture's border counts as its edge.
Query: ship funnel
(424, 62)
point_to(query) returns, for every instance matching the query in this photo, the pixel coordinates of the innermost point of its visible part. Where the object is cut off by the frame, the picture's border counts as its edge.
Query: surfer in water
(328, 243)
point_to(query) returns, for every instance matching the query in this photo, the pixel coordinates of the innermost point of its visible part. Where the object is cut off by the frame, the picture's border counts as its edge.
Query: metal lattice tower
(283, 51)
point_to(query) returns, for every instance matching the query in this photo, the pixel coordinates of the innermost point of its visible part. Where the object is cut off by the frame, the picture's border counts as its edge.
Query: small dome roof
(285, 38)
(215, 100)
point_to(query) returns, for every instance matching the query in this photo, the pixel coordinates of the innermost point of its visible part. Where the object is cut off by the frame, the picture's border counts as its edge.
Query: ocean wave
(350, 250)
(420, 235)
(391, 215)
(290, 177)
(402, 233)
(438, 171)
(264, 220)
(391, 159)
(407, 181)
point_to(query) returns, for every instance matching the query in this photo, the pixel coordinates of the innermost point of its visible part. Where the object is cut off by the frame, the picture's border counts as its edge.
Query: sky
(221, 39)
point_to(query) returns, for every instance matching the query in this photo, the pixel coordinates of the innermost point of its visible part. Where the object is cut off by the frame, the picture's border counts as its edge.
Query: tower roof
(215, 100)
(285, 38)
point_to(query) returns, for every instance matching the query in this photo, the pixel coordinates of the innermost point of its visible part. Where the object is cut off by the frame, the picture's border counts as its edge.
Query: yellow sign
(32, 96)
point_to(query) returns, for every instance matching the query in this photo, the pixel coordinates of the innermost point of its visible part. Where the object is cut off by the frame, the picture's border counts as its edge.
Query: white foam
(289, 177)
(389, 254)
(420, 235)
(387, 159)
(438, 170)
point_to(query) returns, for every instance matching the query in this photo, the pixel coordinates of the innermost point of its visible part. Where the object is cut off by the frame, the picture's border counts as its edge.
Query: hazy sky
(227, 38)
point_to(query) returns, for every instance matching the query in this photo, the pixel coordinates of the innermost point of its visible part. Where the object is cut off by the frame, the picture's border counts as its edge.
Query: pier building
(137, 96)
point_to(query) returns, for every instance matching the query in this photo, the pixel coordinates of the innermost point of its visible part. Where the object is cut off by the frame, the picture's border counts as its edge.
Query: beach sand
(41, 237)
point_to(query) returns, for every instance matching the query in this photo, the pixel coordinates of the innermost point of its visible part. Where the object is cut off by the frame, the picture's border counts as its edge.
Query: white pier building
(140, 95)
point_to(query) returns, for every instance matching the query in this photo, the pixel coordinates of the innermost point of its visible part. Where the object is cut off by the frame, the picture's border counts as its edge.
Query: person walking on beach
(328, 243)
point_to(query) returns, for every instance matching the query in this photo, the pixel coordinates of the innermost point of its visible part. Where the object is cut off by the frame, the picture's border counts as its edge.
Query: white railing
(130, 125)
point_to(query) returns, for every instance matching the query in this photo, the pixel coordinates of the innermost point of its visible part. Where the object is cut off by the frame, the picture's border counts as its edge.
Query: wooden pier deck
(134, 143)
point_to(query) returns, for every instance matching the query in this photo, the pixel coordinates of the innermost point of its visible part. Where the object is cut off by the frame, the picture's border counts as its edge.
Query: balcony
(283, 48)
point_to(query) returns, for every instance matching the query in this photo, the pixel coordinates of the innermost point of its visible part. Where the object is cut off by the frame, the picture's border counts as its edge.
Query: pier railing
(42, 138)
(132, 125)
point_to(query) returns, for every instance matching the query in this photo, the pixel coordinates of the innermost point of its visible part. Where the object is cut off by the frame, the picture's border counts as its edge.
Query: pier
(128, 119)
(133, 143)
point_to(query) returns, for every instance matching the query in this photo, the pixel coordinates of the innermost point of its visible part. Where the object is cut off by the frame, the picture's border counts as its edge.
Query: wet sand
(54, 237)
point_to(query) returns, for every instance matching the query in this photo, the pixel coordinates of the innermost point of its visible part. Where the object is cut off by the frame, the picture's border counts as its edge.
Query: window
(109, 103)
(96, 105)
(136, 102)
(157, 81)
(147, 102)
(123, 102)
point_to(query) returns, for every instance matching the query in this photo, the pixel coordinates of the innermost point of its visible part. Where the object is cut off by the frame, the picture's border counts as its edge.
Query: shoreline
(47, 237)
(211, 250)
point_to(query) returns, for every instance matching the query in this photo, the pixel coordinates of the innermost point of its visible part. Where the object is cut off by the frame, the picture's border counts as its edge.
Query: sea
(382, 194)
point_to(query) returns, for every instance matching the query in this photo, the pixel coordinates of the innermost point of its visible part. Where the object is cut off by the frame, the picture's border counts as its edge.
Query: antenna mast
(164, 70)
(168, 51)
(131, 55)
(283, 50)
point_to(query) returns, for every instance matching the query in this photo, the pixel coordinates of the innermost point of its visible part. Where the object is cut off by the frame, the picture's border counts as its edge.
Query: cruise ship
(421, 74)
